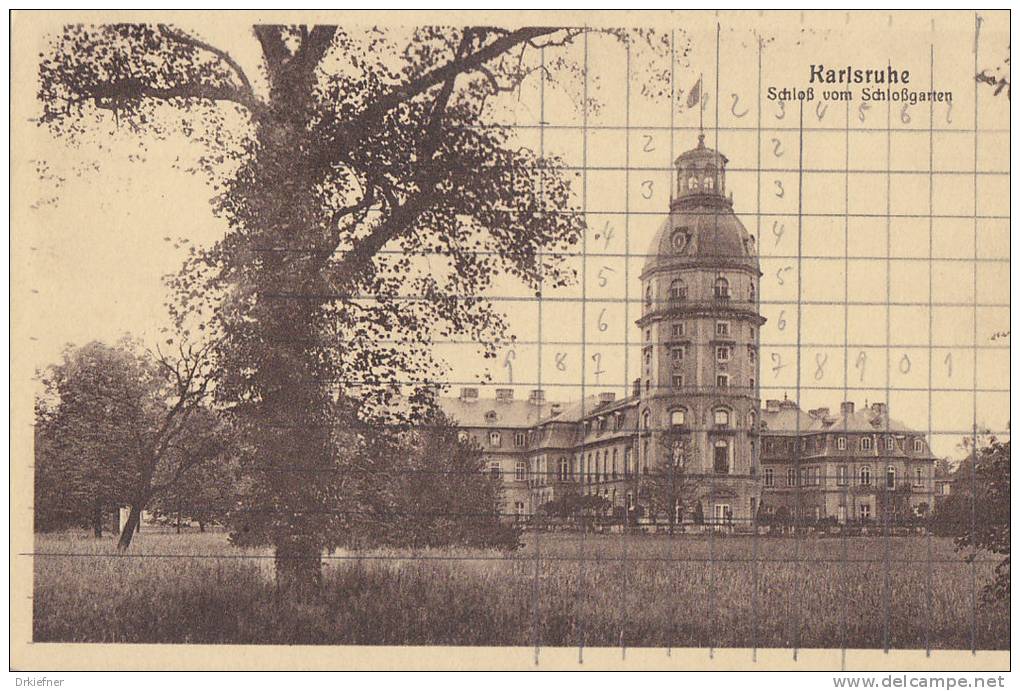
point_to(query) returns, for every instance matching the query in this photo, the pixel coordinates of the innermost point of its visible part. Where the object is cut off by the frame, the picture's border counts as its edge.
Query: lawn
(599, 590)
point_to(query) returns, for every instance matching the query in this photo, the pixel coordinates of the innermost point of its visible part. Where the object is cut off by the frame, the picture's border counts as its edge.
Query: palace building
(695, 417)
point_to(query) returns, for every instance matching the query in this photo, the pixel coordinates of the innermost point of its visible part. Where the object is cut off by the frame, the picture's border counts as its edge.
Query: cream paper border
(26, 26)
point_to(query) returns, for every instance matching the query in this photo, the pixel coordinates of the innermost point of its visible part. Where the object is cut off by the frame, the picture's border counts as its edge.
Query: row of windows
(678, 291)
(677, 354)
(809, 477)
(721, 417)
(865, 443)
(679, 330)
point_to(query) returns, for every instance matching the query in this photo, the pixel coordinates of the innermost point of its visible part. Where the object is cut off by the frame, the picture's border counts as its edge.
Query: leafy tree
(208, 493)
(371, 192)
(977, 512)
(672, 489)
(83, 468)
(120, 428)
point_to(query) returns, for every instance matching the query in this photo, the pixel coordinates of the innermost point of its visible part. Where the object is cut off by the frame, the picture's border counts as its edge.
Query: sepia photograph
(510, 340)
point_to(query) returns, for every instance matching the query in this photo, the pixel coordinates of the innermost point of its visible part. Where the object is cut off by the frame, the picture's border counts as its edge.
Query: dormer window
(490, 417)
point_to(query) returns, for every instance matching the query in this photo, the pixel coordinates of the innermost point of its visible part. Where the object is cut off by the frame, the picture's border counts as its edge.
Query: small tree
(977, 513)
(122, 428)
(672, 487)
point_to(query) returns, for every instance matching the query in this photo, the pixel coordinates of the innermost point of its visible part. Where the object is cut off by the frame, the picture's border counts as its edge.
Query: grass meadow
(559, 590)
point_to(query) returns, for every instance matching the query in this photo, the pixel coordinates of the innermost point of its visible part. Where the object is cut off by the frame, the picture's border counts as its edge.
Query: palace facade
(695, 416)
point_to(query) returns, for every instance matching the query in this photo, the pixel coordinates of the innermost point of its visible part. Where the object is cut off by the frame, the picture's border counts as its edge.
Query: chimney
(878, 408)
(537, 397)
(555, 408)
(772, 405)
(636, 391)
(469, 393)
(607, 397)
(846, 408)
(504, 394)
(819, 413)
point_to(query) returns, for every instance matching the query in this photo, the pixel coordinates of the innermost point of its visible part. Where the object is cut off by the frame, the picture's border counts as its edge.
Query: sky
(892, 287)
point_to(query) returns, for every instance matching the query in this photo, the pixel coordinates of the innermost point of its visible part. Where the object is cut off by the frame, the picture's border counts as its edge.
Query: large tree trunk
(97, 520)
(134, 518)
(298, 565)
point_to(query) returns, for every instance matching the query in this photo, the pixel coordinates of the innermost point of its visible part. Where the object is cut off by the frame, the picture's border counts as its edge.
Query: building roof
(786, 417)
(526, 413)
(511, 413)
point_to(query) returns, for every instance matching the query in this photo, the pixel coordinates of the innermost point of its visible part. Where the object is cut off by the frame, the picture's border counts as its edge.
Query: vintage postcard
(502, 340)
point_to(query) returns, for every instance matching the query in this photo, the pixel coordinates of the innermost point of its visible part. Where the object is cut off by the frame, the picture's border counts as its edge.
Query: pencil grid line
(973, 465)
(930, 572)
(536, 588)
(584, 316)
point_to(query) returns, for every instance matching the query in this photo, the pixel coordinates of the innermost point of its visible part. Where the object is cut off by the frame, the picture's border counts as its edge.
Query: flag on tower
(695, 95)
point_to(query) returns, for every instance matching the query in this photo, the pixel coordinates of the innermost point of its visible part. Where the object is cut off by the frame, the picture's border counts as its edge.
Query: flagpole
(701, 105)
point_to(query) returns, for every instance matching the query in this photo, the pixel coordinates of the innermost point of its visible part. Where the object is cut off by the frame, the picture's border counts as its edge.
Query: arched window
(752, 291)
(890, 477)
(865, 475)
(678, 290)
(564, 468)
(648, 297)
(721, 417)
(750, 420)
(722, 288)
(709, 183)
(692, 183)
(521, 471)
(646, 419)
(678, 418)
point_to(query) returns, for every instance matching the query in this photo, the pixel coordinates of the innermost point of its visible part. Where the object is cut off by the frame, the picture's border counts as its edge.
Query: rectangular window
(865, 443)
(494, 470)
(841, 443)
(520, 439)
(679, 331)
(678, 354)
(626, 462)
(722, 458)
(841, 476)
(751, 354)
(890, 478)
(678, 381)
(722, 380)
(494, 439)
(918, 446)
(769, 478)
(722, 353)
(791, 477)
(521, 471)
(722, 328)
(919, 477)
(864, 511)
(751, 383)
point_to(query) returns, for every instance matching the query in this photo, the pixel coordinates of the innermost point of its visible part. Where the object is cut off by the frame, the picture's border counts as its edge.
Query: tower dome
(701, 228)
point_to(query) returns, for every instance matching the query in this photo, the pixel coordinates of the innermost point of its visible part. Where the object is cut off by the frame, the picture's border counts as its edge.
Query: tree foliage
(373, 191)
(118, 428)
(977, 511)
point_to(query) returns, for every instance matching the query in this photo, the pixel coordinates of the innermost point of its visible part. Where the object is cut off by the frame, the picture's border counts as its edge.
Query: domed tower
(698, 402)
